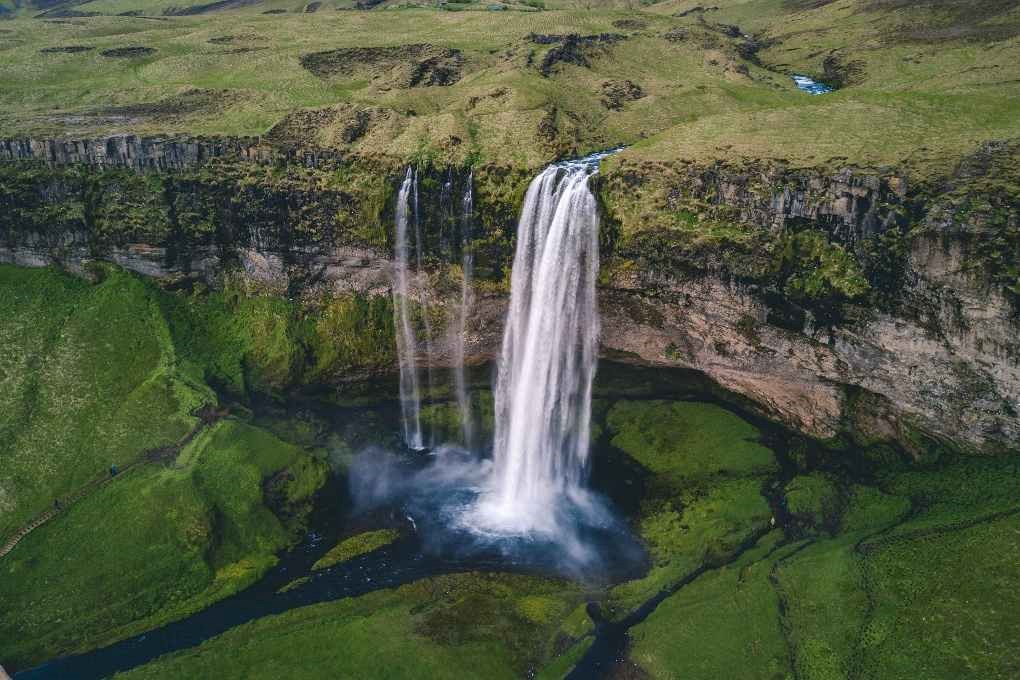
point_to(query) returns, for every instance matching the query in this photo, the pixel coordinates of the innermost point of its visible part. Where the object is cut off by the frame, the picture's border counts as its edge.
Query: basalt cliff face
(842, 302)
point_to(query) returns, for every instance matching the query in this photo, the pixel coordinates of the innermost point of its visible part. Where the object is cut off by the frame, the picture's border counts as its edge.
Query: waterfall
(547, 364)
(466, 299)
(419, 253)
(410, 398)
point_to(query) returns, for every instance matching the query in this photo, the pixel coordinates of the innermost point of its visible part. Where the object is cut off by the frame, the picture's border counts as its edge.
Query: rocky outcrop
(960, 385)
(135, 153)
(923, 346)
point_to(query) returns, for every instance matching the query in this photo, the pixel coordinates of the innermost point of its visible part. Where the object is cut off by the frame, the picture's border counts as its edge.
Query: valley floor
(756, 538)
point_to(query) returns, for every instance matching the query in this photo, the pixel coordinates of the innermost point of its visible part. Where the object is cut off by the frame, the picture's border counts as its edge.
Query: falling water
(410, 399)
(545, 372)
(466, 299)
(419, 253)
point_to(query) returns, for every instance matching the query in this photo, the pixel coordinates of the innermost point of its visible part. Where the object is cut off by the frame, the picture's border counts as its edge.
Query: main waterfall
(550, 348)
(529, 502)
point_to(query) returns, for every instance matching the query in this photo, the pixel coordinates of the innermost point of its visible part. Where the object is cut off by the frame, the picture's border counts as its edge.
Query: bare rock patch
(419, 65)
(128, 52)
(616, 93)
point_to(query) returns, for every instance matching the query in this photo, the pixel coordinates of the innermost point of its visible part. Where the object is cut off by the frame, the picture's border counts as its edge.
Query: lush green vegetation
(704, 500)
(352, 547)
(155, 545)
(458, 626)
(723, 625)
(98, 375)
(68, 414)
(916, 567)
(918, 85)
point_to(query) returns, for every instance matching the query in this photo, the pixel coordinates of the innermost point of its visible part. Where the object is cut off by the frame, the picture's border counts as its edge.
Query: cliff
(844, 302)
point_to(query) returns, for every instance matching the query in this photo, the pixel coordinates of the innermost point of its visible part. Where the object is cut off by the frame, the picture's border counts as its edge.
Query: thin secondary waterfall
(410, 396)
(545, 372)
(419, 253)
(466, 299)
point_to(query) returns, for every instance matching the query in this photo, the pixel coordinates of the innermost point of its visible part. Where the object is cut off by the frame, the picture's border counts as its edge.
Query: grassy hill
(921, 83)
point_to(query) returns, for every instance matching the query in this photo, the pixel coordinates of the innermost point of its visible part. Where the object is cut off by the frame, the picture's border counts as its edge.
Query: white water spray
(545, 372)
(410, 398)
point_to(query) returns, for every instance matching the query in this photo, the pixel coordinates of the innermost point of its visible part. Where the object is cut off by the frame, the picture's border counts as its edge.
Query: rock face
(129, 151)
(922, 349)
(885, 377)
(932, 349)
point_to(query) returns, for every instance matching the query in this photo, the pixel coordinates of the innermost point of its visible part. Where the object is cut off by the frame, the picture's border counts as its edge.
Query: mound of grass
(354, 546)
(688, 440)
(91, 379)
(458, 626)
(813, 501)
(694, 529)
(156, 544)
(723, 625)
(945, 605)
(703, 500)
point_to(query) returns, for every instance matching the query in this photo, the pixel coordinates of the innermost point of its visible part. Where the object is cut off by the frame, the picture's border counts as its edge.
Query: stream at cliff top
(810, 85)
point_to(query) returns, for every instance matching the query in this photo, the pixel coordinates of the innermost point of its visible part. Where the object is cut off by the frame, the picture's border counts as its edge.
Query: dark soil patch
(244, 50)
(572, 49)
(615, 93)
(207, 7)
(677, 35)
(346, 124)
(312, 7)
(695, 10)
(840, 73)
(65, 13)
(186, 103)
(128, 52)
(68, 49)
(495, 94)
(630, 24)
(275, 11)
(419, 65)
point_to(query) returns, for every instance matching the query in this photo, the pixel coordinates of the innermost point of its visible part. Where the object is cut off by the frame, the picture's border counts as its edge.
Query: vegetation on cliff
(96, 382)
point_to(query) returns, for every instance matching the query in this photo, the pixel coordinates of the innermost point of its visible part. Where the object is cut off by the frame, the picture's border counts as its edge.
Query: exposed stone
(615, 93)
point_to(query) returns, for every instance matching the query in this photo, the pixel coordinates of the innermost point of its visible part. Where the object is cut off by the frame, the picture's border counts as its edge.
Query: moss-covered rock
(355, 546)
(688, 440)
(814, 502)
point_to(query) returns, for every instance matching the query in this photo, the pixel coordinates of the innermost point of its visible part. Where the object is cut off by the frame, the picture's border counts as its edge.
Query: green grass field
(914, 92)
